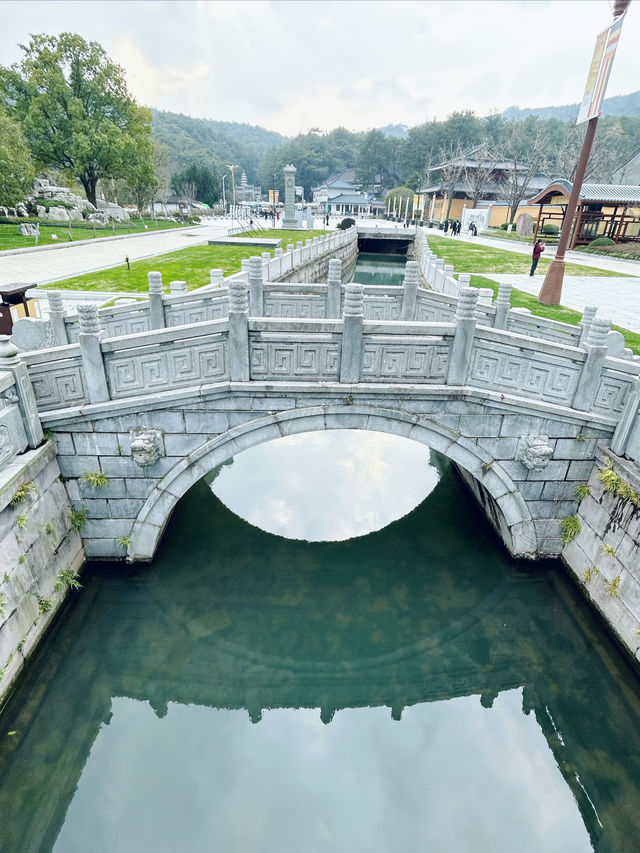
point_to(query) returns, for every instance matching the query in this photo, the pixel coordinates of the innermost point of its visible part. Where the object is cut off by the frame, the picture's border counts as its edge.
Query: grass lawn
(191, 265)
(285, 236)
(520, 299)
(514, 237)
(472, 258)
(10, 239)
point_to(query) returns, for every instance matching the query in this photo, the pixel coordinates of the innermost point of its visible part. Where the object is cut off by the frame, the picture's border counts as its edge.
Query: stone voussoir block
(128, 508)
(580, 470)
(76, 466)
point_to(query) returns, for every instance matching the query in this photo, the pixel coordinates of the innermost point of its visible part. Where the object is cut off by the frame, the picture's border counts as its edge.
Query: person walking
(538, 249)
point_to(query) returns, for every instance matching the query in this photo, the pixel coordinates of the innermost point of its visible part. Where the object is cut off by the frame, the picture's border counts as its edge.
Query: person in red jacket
(538, 249)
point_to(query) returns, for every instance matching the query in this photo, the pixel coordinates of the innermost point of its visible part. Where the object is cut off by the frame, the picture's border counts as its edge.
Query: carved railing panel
(299, 356)
(163, 368)
(403, 359)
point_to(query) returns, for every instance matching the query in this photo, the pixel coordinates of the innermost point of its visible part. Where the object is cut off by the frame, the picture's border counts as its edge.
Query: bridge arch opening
(328, 485)
(492, 485)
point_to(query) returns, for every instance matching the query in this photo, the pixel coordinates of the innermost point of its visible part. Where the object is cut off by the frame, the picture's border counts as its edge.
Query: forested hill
(619, 105)
(212, 143)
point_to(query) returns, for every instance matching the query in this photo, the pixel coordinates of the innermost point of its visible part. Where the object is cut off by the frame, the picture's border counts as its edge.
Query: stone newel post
(503, 304)
(409, 291)
(10, 360)
(56, 318)
(586, 320)
(256, 290)
(352, 324)
(238, 331)
(463, 339)
(92, 362)
(156, 305)
(596, 347)
(216, 278)
(334, 289)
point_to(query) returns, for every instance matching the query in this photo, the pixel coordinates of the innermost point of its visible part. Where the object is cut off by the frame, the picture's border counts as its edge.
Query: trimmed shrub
(602, 241)
(550, 228)
(346, 224)
(504, 226)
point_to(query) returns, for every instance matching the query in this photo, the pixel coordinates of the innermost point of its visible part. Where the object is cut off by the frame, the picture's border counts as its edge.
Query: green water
(379, 269)
(410, 689)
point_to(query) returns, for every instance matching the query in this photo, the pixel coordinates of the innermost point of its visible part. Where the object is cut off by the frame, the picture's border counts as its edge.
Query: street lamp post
(552, 287)
(224, 199)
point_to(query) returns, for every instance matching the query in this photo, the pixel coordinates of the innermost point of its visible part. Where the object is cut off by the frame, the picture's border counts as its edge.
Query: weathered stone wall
(317, 269)
(604, 556)
(37, 542)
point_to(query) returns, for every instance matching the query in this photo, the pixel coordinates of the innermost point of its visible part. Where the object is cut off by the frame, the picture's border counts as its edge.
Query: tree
(451, 170)
(403, 199)
(521, 152)
(373, 158)
(16, 168)
(205, 183)
(75, 110)
(479, 176)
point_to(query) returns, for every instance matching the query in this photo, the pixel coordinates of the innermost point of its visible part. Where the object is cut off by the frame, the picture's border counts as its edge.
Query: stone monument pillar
(289, 220)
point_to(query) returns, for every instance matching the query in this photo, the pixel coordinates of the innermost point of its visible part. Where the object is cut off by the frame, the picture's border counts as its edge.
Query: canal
(330, 651)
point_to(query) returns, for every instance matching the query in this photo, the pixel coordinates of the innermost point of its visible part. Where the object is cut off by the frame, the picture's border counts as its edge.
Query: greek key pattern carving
(6, 444)
(304, 307)
(128, 326)
(58, 385)
(138, 373)
(431, 312)
(413, 362)
(535, 329)
(611, 395)
(526, 376)
(375, 308)
(294, 360)
(182, 315)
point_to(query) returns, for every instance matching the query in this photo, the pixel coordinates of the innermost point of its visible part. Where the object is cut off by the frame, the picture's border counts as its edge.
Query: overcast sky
(290, 66)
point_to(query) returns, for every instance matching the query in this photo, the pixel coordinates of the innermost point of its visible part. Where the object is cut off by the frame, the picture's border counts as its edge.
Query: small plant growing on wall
(21, 520)
(48, 529)
(570, 527)
(613, 482)
(612, 587)
(78, 517)
(580, 436)
(3, 603)
(44, 604)
(124, 540)
(22, 494)
(583, 490)
(96, 479)
(67, 578)
(609, 549)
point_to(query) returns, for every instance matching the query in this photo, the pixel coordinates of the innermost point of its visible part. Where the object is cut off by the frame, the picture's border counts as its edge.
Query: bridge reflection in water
(472, 703)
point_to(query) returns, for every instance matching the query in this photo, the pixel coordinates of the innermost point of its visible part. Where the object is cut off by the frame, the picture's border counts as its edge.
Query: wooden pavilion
(604, 210)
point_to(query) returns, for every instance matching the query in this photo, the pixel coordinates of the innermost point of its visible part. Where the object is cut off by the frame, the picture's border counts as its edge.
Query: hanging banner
(598, 77)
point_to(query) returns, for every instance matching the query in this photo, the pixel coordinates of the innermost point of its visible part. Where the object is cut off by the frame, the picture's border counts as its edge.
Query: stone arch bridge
(518, 403)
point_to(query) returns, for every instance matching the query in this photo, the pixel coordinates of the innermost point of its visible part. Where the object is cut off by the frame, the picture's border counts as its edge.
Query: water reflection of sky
(453, 776)
(327, 485)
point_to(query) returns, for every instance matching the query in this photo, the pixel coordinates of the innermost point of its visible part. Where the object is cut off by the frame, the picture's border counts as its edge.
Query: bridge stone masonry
(153, 412)
(521, 405)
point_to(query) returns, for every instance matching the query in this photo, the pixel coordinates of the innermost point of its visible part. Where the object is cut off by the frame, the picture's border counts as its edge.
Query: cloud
(294, 65)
